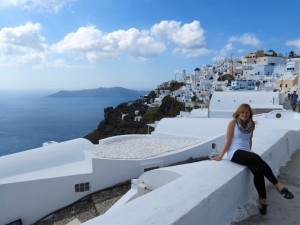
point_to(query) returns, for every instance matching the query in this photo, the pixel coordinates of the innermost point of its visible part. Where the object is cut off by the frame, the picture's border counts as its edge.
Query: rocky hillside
(113, 124)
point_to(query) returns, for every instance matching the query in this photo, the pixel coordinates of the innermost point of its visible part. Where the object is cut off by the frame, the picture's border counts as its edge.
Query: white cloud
(225, 51)
(245, 39)
(240, 51)
(187, 52)
(188, 38)
(187, 35)
(25, 45)
(40, 5)
(91, 43)
(23, 36)
(137, 43)
(22, 44)
(295, 43)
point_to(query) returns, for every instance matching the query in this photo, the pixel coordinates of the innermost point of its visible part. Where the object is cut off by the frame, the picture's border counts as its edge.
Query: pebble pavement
(142, 148)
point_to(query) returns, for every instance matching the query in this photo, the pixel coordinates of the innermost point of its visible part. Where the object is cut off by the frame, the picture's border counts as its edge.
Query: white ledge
(207, 192)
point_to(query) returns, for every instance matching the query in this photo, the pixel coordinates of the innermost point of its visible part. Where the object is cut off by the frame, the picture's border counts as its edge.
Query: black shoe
(263, 209)
(286, 193)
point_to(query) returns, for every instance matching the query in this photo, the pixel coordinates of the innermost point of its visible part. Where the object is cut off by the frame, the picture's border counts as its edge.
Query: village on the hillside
(258, 71)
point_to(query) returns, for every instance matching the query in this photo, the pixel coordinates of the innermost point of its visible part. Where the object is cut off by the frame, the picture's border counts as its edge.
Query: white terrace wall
(224, 103)
(36, 182)
(44, 157)
(66, 164)
(202, 128)
(50, 188)
(210, 192)
(33, 199)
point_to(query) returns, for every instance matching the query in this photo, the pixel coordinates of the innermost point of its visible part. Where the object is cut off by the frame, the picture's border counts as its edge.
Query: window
(82, 187)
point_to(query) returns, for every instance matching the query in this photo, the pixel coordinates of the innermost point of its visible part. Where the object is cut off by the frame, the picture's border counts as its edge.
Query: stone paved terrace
(87, 208)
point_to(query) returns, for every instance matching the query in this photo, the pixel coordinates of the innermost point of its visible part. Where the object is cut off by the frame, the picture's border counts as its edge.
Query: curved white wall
(49, 174)
(210, 192)
(44, 157)
(179, 201)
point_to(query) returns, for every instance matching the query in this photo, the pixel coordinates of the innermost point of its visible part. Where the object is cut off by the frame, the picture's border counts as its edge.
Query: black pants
(258, 167)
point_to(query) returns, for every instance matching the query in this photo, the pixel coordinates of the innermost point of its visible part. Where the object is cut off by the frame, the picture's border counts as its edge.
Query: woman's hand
(217, 158)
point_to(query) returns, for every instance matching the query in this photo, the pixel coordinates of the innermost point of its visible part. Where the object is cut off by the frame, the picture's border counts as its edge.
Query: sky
(135, 44)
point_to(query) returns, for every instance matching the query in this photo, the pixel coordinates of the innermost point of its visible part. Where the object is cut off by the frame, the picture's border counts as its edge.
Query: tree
(174, 85)
(170, 107)
(151, 95)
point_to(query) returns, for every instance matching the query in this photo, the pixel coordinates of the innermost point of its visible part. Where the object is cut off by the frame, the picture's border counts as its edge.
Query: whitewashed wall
(210, 192)
(45, 178)
(36, 182)
(224, 103)
(26, 186)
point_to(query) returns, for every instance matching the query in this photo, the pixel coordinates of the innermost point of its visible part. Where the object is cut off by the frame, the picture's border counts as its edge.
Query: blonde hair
(241, 108)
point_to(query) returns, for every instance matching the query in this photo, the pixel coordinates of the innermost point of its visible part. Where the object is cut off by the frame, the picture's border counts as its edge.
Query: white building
(293, 66)
(224, 103)
(257, 71)
(271, 60)
(183, 94)
(243, 84)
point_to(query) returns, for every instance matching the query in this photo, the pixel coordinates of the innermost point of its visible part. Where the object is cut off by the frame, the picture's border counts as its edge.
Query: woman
(238, 147)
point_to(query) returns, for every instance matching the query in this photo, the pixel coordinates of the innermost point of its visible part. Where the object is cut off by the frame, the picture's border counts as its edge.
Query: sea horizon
(30, 118)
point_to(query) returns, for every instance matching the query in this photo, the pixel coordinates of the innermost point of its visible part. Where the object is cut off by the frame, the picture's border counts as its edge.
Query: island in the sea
(99, 92)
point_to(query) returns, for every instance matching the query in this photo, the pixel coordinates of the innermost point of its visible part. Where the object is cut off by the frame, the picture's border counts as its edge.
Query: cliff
(113, 124)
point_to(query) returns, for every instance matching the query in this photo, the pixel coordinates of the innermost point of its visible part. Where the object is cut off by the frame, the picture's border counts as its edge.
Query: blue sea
(28, 119)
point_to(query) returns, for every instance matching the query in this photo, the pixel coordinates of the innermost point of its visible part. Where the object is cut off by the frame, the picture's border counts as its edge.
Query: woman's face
(245, 114)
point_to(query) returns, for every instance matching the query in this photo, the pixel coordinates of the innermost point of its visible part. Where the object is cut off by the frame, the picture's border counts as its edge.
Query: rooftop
(141, 148)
